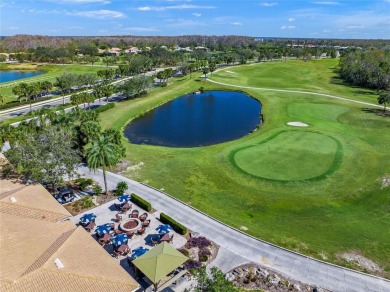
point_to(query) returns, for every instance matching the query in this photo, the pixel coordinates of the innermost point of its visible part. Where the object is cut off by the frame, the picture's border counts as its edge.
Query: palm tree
(102, 153)
(2, 99)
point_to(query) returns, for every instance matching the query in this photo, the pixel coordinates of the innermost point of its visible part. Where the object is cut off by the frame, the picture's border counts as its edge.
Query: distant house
(43, 251)
(110, 52)
(180, 49)
(200, 48)
(133, 50)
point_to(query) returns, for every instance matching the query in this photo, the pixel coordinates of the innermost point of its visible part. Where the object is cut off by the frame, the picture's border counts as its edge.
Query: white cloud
(269, 4)
(172, 7)
(355, 26)
(197, 14)
(185, 22)
(81, 1)
(75, 27)
(326, 3)
(326, 31)
(236, 23)
(13, 27)
(99, 14)
(289, 27)
(291, 19)
(141, 29)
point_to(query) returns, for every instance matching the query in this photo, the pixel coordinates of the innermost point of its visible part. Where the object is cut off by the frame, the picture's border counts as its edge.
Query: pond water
(197, 120)
(6, 76)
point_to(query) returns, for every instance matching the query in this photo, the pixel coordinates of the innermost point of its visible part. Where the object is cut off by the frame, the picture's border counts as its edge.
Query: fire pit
(132, 224)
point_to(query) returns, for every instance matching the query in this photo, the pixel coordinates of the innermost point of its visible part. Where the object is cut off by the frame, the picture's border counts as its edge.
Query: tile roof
(33, 234)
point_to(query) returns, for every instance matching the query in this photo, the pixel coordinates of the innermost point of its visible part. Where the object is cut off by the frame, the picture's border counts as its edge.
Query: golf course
(321, 190)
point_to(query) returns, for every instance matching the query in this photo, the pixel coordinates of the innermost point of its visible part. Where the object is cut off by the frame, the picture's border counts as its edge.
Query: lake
(195, 120)
(6, 76)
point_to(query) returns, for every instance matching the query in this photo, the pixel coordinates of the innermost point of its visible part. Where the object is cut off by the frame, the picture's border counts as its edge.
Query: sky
(358, 19)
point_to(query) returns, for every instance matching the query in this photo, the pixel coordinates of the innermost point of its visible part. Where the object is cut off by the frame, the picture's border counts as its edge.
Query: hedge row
(141, 202)
(181, 229)
(105, 107)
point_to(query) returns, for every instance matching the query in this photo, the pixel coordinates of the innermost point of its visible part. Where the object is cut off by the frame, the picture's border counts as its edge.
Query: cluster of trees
(135, 86)
(52, 146)
(366, 68)
(29, 91)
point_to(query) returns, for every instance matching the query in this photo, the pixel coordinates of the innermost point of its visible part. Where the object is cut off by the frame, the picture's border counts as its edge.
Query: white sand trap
(297, 124)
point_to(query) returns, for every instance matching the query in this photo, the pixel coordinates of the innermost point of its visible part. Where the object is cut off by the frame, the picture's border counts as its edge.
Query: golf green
(290, 155)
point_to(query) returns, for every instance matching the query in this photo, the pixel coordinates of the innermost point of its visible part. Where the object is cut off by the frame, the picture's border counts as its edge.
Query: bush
(203, 258)
(97, 189)
(84, 182)
(105, 107)
(201, 89)
(191, 264)
(174, 224)
(184, 251)
(201, 242)
(204, 252)
(121, 187)
(84, 203)
(141, 202)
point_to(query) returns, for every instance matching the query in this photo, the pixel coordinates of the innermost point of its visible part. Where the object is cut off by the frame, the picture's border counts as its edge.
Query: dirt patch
(122, 166)
(355, 258)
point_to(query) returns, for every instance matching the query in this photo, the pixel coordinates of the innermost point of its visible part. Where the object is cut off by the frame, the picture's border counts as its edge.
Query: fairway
(289, 156)
(316, 190)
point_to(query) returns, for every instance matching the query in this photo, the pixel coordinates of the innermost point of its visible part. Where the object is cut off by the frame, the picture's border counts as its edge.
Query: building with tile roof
(40, 250)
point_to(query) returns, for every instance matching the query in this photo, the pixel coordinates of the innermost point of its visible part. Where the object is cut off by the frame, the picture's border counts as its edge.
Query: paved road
(238, 248)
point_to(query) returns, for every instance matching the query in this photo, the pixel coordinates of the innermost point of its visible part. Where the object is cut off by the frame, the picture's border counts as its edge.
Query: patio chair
(134, 214)
(154, 242)
(118, 218)
(90, 226)
(115, 253)
(171, 238)
(141, 231)
(126, 207)
(117, 206)
(146, 223)
(118, 231)
(143, 216)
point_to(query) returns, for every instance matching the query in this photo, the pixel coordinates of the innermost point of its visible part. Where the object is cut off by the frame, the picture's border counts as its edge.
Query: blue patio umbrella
(124, 198)
(139, 251)
(86, 218)
(120, 239)
(101, 229)
(164, 228)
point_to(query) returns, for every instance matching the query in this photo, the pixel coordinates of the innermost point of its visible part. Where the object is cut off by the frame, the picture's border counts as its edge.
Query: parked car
(63, 199)
(64, 191)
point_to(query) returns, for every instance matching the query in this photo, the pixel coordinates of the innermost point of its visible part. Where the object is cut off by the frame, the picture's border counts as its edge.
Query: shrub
(164, 218)
(184, 251)
(204, 252)
(105, 107)
(191, 264)
(203, 258)
(97, 189)
(141, 202)
(84, 182)
(85, 202)
(201, 89)
(201, 242)
(121, 187)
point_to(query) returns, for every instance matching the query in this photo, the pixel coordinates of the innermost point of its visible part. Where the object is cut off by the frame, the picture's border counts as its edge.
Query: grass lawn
(315, 76)
(268, 187)
(51, 72)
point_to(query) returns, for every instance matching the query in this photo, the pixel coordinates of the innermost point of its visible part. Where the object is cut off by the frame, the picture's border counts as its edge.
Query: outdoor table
(105, 237)
(165, 237)
(126, 206)
(90, 226)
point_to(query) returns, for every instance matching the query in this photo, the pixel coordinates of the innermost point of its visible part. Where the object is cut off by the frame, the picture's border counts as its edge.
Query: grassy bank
(346, 209)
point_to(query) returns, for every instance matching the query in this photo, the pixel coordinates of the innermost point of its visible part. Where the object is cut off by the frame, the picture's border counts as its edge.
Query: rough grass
(347, 209)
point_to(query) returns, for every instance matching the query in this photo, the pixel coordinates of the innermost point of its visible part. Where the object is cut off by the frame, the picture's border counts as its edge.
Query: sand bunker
(297, 124)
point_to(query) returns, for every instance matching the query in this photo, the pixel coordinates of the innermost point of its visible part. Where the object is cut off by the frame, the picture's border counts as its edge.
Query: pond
(6, 76)
(195, 120)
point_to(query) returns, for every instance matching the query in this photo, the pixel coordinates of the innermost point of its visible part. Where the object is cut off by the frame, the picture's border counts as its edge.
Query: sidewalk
(238, 248)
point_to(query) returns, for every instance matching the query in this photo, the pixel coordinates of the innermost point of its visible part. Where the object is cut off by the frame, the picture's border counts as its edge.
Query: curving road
(237, 248)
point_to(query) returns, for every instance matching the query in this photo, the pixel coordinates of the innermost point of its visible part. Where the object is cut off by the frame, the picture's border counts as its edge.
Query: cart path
(237, 247)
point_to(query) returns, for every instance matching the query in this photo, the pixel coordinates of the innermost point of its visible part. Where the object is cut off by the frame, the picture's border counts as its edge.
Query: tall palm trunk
(105, 180)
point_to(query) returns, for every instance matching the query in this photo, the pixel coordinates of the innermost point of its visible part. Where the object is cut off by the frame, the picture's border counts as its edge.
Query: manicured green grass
(288, 156)
(314, 76)
(52, 71)
(345, 209)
